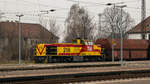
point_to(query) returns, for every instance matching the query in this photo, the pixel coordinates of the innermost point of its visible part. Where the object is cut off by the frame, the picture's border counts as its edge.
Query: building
(31, 35)
(135, 32)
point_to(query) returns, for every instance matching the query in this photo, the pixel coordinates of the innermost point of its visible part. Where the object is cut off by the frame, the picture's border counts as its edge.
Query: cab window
(82, 42)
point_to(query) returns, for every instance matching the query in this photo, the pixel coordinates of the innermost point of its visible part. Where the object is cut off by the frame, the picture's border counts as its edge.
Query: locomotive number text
(66, 50)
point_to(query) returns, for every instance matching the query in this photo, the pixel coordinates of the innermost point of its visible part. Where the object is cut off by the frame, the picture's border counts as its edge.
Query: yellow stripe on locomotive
(61, 50)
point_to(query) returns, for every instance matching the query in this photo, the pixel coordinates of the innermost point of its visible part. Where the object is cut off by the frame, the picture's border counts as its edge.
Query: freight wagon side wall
(137, 55)
(130, 54)
(117, 54)
(148, 50)
(107, 47)
(132, 49)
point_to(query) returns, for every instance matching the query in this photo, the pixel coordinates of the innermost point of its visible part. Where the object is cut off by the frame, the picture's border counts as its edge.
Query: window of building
(148, 25)
(148, 36)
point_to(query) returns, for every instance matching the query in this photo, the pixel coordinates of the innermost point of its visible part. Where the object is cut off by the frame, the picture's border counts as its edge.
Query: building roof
(137, 28)
(28, 30)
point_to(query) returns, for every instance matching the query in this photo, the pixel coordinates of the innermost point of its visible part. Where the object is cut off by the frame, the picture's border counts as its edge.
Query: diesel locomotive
(77, 51)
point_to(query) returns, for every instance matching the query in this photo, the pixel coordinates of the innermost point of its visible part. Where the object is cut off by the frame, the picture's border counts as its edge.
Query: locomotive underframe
(55, 59)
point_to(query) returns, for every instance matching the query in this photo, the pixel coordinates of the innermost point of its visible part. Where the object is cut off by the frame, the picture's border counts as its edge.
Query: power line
(102, 4)
(131, 1)
(24, 4)
(137, 8)
(95, 3)
(28, 20)
(36, 4)
(44, 5)
(36, 15)
(88, 2)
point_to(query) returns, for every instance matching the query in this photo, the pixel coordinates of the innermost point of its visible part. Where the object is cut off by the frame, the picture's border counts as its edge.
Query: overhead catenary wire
(28, 19)
(33, 4)
(13, 3)
(36, 12)
(35, 15)
(131, 1)
(44, 5)
(87, 2)
(94, 4)
(104, 4)
(100, 3)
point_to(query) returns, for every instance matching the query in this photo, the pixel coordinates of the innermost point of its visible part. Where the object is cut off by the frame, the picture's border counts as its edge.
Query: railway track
(79, 77)
(141, 80)
(4, 68)
(58, 67)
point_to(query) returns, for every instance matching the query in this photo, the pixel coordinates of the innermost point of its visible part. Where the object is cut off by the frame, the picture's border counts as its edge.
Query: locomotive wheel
(40, 59)
(99, 58)
(54, 60)
(86, 59)
(67, 59)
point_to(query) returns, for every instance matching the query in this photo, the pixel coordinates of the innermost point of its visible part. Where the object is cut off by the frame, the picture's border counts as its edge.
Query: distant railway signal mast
(113, 32)
(19, 36)
(143, 15)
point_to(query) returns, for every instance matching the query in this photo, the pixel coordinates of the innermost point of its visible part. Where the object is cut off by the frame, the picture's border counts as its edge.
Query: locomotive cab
(79, 41)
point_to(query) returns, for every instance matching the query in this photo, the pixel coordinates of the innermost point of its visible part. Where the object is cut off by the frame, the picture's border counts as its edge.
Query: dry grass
(15, 62)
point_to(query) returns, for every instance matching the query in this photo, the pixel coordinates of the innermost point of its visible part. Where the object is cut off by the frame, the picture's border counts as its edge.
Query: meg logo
(40, 48)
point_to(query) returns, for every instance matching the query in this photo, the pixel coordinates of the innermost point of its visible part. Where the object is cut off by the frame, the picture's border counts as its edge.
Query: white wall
(137, 36)
(134, 36)
(147, 36)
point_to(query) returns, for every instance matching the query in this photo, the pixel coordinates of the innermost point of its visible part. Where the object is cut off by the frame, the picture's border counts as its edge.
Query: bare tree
(112, 21)
(79, 24)
(42, 23)
(54, 28)
(51, 25)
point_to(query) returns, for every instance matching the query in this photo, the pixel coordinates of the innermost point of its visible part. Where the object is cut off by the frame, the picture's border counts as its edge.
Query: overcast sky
(31, 8)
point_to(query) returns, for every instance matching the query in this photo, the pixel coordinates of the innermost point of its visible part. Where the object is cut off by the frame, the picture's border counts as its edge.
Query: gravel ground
(126, 63)
(67, 71)
(7, 66)
(128, 66)
(125, 81)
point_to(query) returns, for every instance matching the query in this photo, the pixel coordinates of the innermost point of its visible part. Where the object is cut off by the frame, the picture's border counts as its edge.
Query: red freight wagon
(132, 49)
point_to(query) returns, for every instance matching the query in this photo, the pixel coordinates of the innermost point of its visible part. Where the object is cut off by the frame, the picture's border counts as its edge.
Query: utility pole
(19, 36)
(113, 35)
(121, 35)
(143, 14)
(113, 25)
